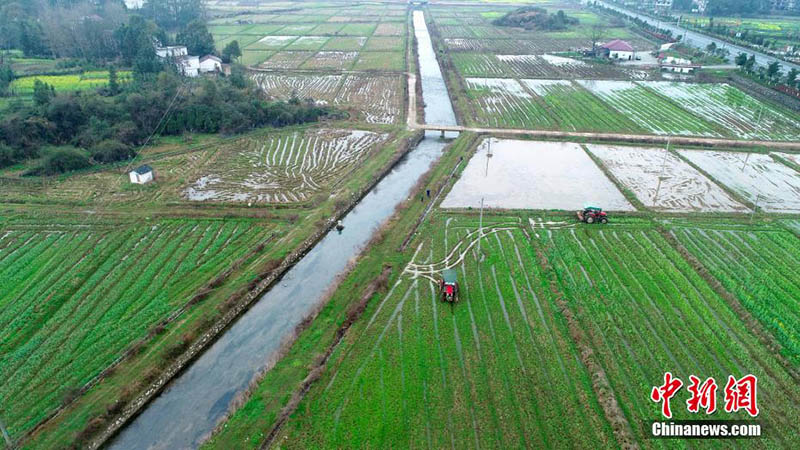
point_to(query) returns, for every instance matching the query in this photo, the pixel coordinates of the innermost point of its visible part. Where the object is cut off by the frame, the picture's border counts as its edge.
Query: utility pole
(661, 176)
(747, 158)
(755, 208)
(488, 155)
(666, 153)
(6, 437)
(480, 229)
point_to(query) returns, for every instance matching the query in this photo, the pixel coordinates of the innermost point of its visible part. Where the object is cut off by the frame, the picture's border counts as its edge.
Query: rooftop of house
(143, 169)
(211, 57)
(618, 45)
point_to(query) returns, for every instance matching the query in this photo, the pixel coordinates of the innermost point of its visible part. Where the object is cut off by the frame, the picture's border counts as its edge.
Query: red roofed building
(618, 49)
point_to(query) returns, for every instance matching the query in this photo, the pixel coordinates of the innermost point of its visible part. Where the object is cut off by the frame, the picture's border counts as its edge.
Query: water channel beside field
(195, 401)
(701, 41)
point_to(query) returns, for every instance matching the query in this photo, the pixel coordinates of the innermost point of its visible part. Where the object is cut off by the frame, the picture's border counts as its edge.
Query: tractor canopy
(450, 276)
(592, 208)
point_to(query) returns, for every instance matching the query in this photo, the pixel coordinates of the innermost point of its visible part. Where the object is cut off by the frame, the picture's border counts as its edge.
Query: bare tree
(83, 29)
(596, 33)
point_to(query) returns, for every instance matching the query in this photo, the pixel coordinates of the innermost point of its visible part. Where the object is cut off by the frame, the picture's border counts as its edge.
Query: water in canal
(195, 401)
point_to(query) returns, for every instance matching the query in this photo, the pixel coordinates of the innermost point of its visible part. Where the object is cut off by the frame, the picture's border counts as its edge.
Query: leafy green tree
(750, 63)
(61, 159)
(113, 81)
(773, 70)
(197, 39)
(7, 155)
(231, 52)
(711, 48)
(43, 93)
(682, 5)
(728, 7)
(135, 38)
(173, 14)
(6, 77)
(791, 77)
(146, 62)
(110, 151)
(31, 39)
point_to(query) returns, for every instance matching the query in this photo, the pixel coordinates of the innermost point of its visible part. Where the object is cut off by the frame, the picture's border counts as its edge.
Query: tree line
(70, 131)
(771, 73)
(86, 29)
(727, 7)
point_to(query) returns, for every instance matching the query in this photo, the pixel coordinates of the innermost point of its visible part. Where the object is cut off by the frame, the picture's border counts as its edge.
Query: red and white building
(618, 49)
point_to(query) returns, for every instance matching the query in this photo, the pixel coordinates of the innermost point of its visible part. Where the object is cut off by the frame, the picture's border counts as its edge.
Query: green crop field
(647, 311)
(418, 372)
(623, 106)
(574, 108)
(380, 61)
(760, 268)
(504, 103)
(542, 325)
(75, 296)
(75, 82)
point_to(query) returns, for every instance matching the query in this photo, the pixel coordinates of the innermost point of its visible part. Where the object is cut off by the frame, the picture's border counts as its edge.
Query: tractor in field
(448, 286)
(593, 214)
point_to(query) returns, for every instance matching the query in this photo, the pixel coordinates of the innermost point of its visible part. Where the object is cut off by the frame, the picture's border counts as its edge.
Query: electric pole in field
(755, 207)
(6, 437)
(488, 156)
(747, 158)
(661, 176)
(486, 175)
(480, 228)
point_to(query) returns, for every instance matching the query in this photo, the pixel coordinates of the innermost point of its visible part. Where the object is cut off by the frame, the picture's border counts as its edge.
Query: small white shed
(142, 174)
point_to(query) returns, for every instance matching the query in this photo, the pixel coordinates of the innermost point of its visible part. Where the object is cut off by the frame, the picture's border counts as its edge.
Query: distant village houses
(677, 65)
(190, 65)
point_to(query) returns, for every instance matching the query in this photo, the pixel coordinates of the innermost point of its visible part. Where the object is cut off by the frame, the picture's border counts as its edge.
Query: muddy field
(533, 175)
(754, 176)
(661, 180)
(282, 168)
(371, 98)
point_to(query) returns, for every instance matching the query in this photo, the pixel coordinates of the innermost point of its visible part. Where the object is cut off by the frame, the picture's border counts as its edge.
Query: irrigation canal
(701, 41)
(193, 403)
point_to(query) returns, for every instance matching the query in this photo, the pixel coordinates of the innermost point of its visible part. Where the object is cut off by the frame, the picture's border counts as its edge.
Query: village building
(142, 175)
(189, 65)
(677, 65)
(618, 49)
(177, 51)
(210, 63)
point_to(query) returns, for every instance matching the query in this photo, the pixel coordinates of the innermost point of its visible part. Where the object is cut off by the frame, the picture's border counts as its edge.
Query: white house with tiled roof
(619, 49)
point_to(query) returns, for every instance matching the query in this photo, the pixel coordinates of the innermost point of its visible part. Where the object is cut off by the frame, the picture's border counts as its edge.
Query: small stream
(193, 403)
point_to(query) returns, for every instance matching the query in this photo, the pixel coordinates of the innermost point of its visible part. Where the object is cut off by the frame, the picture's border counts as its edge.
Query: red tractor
(593, 214)
(448, 286)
